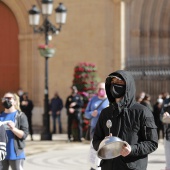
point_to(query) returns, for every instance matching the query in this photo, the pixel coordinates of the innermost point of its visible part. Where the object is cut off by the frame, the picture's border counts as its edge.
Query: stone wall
(91, 34)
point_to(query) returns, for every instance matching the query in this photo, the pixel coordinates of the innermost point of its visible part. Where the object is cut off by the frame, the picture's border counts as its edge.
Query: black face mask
(117, 90)
(7, 104)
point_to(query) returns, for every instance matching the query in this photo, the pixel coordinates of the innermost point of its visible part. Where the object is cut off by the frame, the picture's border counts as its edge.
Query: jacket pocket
(150, 132)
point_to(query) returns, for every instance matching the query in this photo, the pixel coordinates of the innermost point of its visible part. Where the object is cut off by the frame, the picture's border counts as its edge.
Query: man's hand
(166, 114)
(50, 112)
(95, 113)
(72, 104)
(126, 149)
(71, 110)
(24, 103)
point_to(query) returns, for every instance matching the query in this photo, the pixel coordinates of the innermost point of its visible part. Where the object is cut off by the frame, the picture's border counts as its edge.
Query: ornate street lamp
(47, 28)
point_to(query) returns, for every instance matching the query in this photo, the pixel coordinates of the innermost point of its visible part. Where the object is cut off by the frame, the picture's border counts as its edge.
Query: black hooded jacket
(132, 122)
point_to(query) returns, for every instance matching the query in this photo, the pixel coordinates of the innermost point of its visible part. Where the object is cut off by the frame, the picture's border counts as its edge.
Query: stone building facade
(113, 34)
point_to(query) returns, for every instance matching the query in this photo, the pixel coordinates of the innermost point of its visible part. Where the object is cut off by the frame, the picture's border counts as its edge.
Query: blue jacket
(93, 105)
(56, 105)
(21, 123)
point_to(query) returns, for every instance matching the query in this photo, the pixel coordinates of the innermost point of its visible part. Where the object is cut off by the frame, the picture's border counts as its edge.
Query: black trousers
(71, 118)
(29, 117)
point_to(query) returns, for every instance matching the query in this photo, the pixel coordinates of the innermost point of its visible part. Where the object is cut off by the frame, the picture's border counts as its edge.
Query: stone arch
(164, 29)
(145, 29)
(20, 14)
(134, 14)
(154, 28)
(151, 64)
(9, 46)
(28, 54)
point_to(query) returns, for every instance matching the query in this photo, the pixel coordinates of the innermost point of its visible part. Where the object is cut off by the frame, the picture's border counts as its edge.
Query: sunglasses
(6, 98)
(117, 81)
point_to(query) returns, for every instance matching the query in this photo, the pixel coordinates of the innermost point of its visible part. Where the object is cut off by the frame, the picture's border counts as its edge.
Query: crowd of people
(134, 119)
(119, 100)
(74, 110)
(161, 111)
(156, 108)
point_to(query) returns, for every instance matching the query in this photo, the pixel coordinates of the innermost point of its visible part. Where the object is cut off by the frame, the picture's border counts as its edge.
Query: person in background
(3, 142)
(56, 106)
(147, 102)
(156, 113)
(140, 97)
(74, 103)
(131, 122)
(27, 107)
(17, 130)
(165, 95)
(20, 92)
(96, 104)
(165, 113)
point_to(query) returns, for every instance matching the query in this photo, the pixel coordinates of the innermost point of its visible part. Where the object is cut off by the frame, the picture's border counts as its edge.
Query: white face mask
(20, 92)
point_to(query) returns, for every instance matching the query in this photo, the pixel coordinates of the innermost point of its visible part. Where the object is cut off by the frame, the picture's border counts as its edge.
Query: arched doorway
(9, 48)
(148, 41)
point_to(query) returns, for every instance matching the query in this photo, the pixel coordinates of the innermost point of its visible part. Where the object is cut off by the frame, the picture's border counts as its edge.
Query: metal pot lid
(110, 147)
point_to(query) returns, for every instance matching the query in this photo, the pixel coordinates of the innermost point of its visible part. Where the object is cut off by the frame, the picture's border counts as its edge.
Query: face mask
(20, 92)
(101, 93)
(117, 90)
(7, 104)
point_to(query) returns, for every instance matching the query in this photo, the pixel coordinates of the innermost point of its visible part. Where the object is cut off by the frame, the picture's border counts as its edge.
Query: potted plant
(46, 50)
(86, 80)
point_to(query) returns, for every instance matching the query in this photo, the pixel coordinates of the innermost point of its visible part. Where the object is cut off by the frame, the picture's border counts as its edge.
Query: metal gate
(151, 74)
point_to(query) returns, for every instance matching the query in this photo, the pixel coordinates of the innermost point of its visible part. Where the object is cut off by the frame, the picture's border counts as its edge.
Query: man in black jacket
(74, 104)
(27, 107)
(131, 121)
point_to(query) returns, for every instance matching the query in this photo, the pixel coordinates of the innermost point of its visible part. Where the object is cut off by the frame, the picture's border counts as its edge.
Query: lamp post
(47, 28)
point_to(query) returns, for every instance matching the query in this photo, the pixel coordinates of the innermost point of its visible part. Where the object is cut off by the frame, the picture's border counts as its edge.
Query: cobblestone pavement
(60, 155)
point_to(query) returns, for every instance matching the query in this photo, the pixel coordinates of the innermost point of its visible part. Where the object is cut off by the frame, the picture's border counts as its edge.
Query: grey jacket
(21, 123)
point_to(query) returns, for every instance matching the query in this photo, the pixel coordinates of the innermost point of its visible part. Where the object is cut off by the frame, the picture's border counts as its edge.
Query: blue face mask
(117, 90)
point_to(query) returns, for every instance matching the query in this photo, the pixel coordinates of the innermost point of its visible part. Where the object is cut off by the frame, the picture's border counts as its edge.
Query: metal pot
(110, 147)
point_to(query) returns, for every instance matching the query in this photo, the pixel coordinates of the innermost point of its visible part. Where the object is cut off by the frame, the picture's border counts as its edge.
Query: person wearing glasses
(16, 126)
(131, 121)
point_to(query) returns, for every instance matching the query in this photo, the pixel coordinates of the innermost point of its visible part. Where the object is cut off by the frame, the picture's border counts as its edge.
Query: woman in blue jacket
(16, 126)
